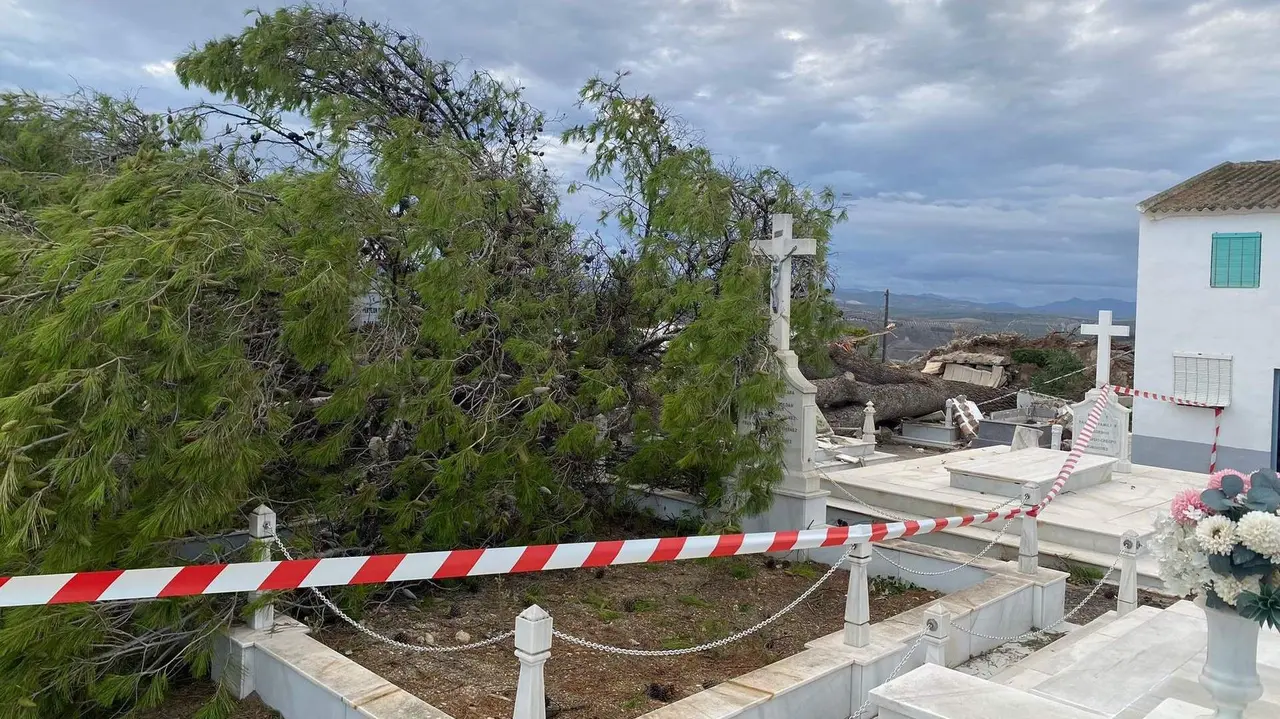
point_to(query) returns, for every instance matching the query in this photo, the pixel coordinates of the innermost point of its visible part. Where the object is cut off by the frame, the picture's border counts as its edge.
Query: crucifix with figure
(799, 500)
(780, 249)
(1104, 331)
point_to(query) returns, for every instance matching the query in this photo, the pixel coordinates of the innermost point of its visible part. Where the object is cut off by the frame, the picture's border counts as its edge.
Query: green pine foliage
(180, 332)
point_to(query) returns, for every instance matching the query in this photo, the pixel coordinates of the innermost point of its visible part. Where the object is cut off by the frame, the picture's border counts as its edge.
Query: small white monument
(1111, 437)
(799, 501)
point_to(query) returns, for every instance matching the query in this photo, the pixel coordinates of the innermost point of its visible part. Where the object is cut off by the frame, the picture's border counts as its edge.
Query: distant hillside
(928, 321)
(939, 307)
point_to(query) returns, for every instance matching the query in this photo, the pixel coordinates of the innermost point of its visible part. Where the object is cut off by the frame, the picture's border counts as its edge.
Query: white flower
(1260, 531)
(1217, 534)
(1229, 589)
(1195, 514)
(1184, 567)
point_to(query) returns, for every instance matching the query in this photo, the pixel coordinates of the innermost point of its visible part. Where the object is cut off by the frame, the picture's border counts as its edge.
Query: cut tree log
(898, 392)
(837, 391)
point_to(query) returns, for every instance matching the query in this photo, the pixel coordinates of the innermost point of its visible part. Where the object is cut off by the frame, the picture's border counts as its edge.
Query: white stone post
(937, 629)
(857, 603)
(533, 649)
(262, 529)
(949, 414)
(1029, 546)
(869, 422)
(1127, 599)
(1055, 436)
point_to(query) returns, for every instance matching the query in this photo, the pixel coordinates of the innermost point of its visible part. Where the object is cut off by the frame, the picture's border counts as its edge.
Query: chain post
(1127, 598)
(533, 649)
(857, 603)
(1029, 545)
(937, 630)
(262, 529)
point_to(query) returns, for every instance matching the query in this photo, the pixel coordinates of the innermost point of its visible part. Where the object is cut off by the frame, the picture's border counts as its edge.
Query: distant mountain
(937, 306)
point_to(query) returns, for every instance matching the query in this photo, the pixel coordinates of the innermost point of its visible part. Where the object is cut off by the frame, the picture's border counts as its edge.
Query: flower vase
(1231, 663)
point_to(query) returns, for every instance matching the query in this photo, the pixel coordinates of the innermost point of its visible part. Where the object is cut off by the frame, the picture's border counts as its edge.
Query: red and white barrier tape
(1159, 397)
(1078, 446)
(1217, 415)
(164, 582)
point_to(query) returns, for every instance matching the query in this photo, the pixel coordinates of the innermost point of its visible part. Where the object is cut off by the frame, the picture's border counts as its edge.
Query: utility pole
(884, 338)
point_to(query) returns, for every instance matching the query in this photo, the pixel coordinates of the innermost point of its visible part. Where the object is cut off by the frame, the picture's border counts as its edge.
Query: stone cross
(780, 249)
(799, 500)
(1104, 331)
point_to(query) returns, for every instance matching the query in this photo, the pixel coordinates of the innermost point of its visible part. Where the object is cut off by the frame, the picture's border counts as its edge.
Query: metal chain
(626, 651)
(388, 640)
(1063, 620)
(971, 560)
(901, 663)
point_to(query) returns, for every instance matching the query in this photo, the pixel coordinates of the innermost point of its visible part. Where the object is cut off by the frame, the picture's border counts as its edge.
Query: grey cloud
(985, 143)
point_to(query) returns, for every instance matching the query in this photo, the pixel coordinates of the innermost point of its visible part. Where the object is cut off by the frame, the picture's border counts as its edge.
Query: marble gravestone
(1111, 437)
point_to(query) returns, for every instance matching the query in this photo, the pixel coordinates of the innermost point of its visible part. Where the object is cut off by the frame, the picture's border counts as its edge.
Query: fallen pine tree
(897, 392)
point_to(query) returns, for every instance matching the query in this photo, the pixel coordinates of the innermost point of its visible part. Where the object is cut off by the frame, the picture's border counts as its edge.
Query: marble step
(1004, 475)
(972, 539)
(1061, 526)
(935, 692)
(1140, 656)
(1042, 664)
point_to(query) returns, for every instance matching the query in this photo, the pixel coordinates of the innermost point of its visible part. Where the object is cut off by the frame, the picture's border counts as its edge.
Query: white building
(1208, 319)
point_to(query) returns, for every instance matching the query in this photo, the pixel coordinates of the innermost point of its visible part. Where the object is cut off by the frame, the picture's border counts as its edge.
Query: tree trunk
(837, 391)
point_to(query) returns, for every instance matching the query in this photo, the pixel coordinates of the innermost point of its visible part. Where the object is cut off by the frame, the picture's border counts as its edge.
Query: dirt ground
(655, 609)
(667, 606)
(1105, 600)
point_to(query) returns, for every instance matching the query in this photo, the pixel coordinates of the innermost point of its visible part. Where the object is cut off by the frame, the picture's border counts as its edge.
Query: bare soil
(1105, 600)
(663, 606)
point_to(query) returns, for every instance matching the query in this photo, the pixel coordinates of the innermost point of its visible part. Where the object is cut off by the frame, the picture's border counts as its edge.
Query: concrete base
(1004, 476)
(1194, 456)
(303, 679)
(930, 434)
(790, 510)
(993, 432)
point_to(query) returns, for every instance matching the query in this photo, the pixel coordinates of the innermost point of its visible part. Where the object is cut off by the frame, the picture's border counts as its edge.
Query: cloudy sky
(992, 149)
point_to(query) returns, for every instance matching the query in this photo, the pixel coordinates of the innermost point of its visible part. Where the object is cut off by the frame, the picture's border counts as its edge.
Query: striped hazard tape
(1078, 447)
(1217, 415)
(166, 582)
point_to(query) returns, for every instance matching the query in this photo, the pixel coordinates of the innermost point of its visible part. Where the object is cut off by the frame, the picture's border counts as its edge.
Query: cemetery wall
(1179, 312)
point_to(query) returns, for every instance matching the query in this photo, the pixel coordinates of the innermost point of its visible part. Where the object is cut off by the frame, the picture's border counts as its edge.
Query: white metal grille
(1202, 378)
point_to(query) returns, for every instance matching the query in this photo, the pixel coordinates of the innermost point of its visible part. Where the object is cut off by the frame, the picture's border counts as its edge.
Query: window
(1237, 259)
(1202, 378)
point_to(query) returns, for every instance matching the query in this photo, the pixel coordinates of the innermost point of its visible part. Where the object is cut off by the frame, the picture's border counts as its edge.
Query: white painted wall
(1179, 312)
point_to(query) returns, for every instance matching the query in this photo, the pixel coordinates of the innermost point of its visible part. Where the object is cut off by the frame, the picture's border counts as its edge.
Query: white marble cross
(1104, 331)
(780, 249)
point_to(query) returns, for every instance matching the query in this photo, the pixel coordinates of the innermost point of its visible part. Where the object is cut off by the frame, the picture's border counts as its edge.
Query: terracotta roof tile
(1229, 186)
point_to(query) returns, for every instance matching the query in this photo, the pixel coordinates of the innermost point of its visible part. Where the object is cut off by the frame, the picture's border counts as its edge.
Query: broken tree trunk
(898, 393)
(837, 391)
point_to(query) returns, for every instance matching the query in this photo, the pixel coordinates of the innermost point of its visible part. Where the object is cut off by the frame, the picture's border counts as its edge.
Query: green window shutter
(1236, 259)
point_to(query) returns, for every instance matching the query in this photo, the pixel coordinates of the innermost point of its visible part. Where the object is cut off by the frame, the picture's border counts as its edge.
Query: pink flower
(1215, 479)
(1187, 507)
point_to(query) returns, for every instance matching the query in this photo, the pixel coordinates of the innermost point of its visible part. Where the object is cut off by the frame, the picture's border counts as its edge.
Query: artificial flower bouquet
(1224, 543)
